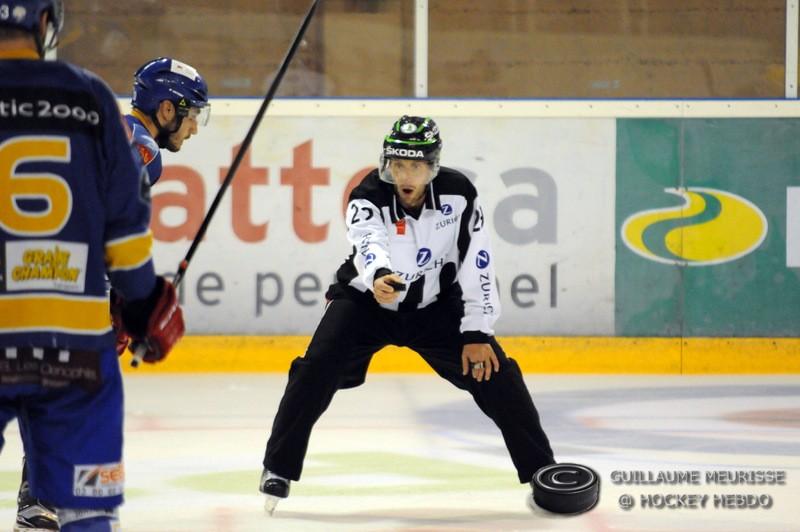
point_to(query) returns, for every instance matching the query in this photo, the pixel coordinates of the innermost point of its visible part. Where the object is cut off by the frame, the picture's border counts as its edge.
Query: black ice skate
(33, 514)
(275, 487)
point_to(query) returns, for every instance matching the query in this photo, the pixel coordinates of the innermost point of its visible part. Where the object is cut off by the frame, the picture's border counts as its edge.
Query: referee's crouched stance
(420, 275)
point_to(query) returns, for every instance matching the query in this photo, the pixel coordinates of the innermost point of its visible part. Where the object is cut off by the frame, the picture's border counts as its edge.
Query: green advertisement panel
(701, 218)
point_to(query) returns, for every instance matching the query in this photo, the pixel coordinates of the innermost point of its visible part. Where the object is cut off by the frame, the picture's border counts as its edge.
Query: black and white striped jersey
(445, 247)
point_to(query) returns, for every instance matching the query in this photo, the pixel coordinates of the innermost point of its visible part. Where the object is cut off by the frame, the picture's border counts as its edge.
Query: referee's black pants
(349, 334)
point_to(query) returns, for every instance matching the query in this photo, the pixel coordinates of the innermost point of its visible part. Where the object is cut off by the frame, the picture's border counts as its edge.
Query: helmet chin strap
(40, 35)
(39, 45)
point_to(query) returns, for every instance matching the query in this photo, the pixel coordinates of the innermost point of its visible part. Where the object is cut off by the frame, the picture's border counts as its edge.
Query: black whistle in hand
(399, 287)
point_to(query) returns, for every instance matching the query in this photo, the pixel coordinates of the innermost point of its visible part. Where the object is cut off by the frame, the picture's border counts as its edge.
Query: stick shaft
(248, 139)
(139, 349)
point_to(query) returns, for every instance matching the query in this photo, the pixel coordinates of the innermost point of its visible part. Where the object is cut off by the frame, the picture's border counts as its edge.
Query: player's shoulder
(65, 95)
(451, 181)
(86, 88)
(373, 189)
(74, 76)
(70, 80)
(141, 139)
(81, 73)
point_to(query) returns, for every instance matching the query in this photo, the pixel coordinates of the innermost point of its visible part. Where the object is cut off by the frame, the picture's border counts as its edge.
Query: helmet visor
(200, 114)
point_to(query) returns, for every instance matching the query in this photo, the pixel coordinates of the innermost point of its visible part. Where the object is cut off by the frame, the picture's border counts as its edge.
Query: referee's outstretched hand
(384, 292)
(480, 360)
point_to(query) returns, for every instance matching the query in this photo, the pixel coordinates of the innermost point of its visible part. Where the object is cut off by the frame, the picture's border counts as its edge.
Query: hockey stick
(140, 348)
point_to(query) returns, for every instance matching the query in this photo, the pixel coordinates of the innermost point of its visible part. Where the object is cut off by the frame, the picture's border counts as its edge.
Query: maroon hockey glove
(156, 321)
(116, 322)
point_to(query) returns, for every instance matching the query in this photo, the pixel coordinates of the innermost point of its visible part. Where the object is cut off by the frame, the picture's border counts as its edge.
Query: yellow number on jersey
(15, 185)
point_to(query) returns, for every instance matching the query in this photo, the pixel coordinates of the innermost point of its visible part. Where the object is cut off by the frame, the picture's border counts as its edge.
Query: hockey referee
(421, 275)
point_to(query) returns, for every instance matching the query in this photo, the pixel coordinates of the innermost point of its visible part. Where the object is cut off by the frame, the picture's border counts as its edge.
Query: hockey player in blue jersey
(73, 211)
(170, 100)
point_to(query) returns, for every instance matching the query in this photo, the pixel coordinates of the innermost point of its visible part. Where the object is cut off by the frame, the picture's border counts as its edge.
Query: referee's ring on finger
(477, 365)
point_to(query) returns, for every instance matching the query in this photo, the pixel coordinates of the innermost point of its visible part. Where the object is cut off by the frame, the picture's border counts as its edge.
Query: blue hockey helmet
(169, 79)
(411, 137)
(27, 15)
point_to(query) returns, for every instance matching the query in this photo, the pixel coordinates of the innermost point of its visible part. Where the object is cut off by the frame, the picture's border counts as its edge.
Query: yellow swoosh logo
(710, 227)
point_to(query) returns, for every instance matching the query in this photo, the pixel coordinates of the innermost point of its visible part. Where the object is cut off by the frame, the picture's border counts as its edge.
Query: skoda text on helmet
(411, 137)
(169, 79)
(26, 15)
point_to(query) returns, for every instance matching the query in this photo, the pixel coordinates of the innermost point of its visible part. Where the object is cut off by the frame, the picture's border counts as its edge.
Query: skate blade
(270, 503)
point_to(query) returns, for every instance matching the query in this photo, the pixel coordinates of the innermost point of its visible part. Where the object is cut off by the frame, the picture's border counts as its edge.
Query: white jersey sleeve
(368, 235)
(477, 279)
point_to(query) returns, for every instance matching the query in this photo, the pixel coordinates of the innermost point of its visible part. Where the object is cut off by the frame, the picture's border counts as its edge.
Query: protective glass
(200, 114)
(385, 170)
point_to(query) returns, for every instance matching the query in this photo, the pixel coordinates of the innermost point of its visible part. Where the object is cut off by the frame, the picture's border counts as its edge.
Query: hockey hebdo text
(730, 489)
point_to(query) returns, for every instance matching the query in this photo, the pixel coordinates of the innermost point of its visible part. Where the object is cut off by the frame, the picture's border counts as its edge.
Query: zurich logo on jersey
(423, 256)
(482, 260)
(447, 209)
(369, 259)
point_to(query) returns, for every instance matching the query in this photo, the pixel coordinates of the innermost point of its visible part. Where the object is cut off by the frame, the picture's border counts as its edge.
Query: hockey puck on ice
(566, 488)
